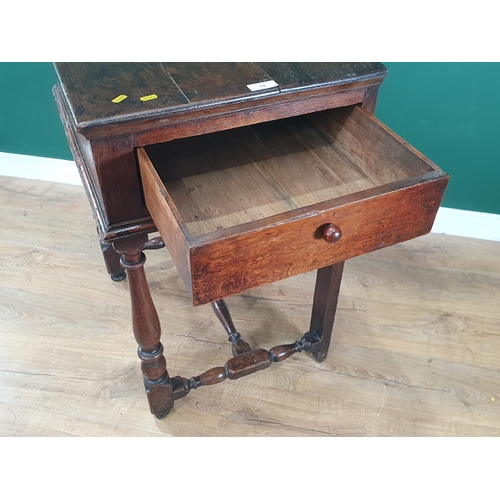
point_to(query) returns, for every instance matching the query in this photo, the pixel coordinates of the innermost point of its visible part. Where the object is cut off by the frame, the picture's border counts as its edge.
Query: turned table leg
(239, 346)
(146, 325)
(326, 294)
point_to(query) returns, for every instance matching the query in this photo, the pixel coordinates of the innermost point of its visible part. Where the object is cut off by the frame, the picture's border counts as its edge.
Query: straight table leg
(326, 294)
(146, 326)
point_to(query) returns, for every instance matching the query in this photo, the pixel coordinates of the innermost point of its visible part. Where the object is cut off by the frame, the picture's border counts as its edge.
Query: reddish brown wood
(221, 310)
(224, 316)
(116, 160)
(146, 326)
(370, 99)
(168, 219)
(282, 352)
(226, 261)
(198, 99)
(325, 300)
(210, 377)
(237, 263)
(331, 233)
(246, 364)
(92, 158)
(103, 135)
(240, 347)
(200, 122)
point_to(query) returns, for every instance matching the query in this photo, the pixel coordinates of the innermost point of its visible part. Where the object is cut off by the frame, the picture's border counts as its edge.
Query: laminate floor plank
(415, 351)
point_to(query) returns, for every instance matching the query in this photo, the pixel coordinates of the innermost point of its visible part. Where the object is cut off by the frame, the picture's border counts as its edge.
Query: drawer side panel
(163, 214)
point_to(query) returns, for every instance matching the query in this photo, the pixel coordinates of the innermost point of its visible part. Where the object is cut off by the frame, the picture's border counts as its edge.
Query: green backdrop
(449, 111)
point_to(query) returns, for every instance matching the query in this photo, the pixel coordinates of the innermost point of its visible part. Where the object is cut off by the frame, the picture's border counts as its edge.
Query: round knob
(332, 233)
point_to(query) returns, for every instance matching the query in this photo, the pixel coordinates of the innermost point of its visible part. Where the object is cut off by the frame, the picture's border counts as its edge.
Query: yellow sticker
(119, 98)
(149, 97)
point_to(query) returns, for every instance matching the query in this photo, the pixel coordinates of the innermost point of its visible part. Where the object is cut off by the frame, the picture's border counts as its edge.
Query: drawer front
(344, 185)
(238, 263)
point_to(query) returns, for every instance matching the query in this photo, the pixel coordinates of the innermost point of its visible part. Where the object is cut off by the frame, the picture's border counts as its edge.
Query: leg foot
(162, 416)
(119, 277)
(160, 397)
(326, 295)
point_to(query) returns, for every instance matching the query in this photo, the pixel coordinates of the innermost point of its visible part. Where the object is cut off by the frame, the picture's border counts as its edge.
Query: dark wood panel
(91, 87)
(216, 81)
(326, 295)
(82, 154)
(294, 75)
(119, 179)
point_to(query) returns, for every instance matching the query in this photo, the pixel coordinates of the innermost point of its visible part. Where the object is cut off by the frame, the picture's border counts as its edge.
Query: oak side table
(251, 173)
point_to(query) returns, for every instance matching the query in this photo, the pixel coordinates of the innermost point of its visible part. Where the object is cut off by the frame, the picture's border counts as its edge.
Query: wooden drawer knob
(332, 233)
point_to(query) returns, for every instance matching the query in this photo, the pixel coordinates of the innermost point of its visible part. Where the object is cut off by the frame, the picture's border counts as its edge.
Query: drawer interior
(248, 206)
(228, 178)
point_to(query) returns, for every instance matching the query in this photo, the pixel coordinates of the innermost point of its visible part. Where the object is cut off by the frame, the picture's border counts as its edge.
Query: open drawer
(253, 205)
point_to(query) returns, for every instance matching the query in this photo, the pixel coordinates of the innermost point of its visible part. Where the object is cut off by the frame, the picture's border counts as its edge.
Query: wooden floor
(416, 349)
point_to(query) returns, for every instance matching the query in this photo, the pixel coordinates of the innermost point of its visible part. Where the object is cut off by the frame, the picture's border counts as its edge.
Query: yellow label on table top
(148, 97)
(119, 98)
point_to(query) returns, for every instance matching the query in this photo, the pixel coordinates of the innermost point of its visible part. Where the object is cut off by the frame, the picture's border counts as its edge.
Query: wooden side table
(251, 172)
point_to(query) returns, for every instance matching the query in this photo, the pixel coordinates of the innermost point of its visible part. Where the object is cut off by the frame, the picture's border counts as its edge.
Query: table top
(101, 95)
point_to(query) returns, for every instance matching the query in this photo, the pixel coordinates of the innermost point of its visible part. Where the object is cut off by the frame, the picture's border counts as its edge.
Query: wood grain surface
(415, 350)
(153, 107)
(229, 178)
(251, 203)
(91, 88)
